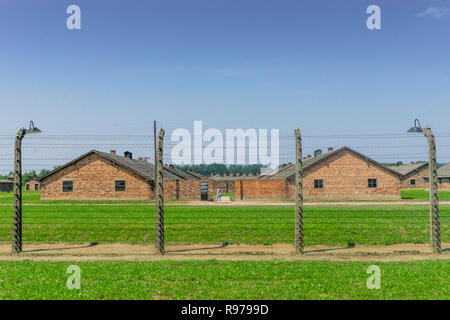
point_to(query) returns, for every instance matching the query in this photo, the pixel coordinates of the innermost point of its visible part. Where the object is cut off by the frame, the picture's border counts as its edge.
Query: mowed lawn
(423, 195)
(265, 225)
(225, 280)
(8, 197)
(33, 197)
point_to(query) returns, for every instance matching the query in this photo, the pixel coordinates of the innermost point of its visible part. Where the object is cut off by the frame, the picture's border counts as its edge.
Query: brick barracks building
(414, 175)
(32, 185)
(443, 174)
(107, 176)
(337, 174)
(342, 174)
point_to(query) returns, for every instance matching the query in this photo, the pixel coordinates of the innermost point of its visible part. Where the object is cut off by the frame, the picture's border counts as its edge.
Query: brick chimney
(128, 154)
(317, 152)
(140, 158)
(412, 162)
(330, 149)
(250, 174)
(113, 152)
(309, 156)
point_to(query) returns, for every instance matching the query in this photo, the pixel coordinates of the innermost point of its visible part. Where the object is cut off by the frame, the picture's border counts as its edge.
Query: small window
(318, 184)
(440, 180)
(67, 186)
(27, 187)
(36, 187)
(372, 183)
(413, 182)
(120, 185)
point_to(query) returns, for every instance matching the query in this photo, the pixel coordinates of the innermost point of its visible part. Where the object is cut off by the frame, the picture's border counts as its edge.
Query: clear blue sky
(247, 63)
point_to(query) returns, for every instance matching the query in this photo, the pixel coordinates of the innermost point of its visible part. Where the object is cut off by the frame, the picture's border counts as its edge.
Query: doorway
(204, 191)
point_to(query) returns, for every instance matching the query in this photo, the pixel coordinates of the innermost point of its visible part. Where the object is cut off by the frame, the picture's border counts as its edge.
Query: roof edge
(84, 156)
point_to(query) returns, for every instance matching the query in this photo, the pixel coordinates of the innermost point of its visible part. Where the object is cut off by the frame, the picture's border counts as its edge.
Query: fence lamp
(417, 127)
(33, 129)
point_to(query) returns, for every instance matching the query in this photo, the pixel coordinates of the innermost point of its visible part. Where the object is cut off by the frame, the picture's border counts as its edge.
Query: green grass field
(212, 279)
(225, 280)
(33, 197)
(231, 195)
(264, 225)
(424, 195)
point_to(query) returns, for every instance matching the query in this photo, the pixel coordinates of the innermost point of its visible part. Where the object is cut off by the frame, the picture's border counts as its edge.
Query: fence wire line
(385, 222)
(380, 224)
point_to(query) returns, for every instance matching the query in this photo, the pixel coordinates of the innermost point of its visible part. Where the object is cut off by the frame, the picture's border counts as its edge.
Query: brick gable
(94, 178)
(344, 175)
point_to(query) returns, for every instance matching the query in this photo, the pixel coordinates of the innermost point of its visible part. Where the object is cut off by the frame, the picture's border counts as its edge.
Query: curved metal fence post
(435, 226)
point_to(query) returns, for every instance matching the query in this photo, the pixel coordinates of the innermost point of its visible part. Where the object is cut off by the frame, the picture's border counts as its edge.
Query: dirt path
(280, 251)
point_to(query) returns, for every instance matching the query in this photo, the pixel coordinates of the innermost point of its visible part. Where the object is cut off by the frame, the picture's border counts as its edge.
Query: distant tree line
(222, 169)
(33, 174)
(399, 163)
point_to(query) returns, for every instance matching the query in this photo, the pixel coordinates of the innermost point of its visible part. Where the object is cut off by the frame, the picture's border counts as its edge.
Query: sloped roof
(180, 173)
(282, 173)
(142, 168)
(196, 174)
(265, 172)
(289, 170)
(232, 178)
(406, 169)
(146, 169)
(442, 172)
(34, 179)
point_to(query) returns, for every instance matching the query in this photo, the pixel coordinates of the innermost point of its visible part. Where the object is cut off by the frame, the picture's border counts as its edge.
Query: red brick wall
(420, 181)
(441, 186)
(227, 186)
(263, 189)
(444, 185)
(31, 185)
(6, 186)
(94, 178)
(186, 189)
(345, 176)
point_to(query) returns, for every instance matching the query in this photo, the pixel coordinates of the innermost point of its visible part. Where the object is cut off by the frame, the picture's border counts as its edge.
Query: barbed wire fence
(60, 221)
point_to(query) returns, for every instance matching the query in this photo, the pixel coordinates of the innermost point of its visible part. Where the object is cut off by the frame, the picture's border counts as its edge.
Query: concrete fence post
(298, 193)
(159, 196)
(17, 214)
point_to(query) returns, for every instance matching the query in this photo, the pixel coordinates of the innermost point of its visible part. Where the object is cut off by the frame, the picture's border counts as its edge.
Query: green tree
(222, 169)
